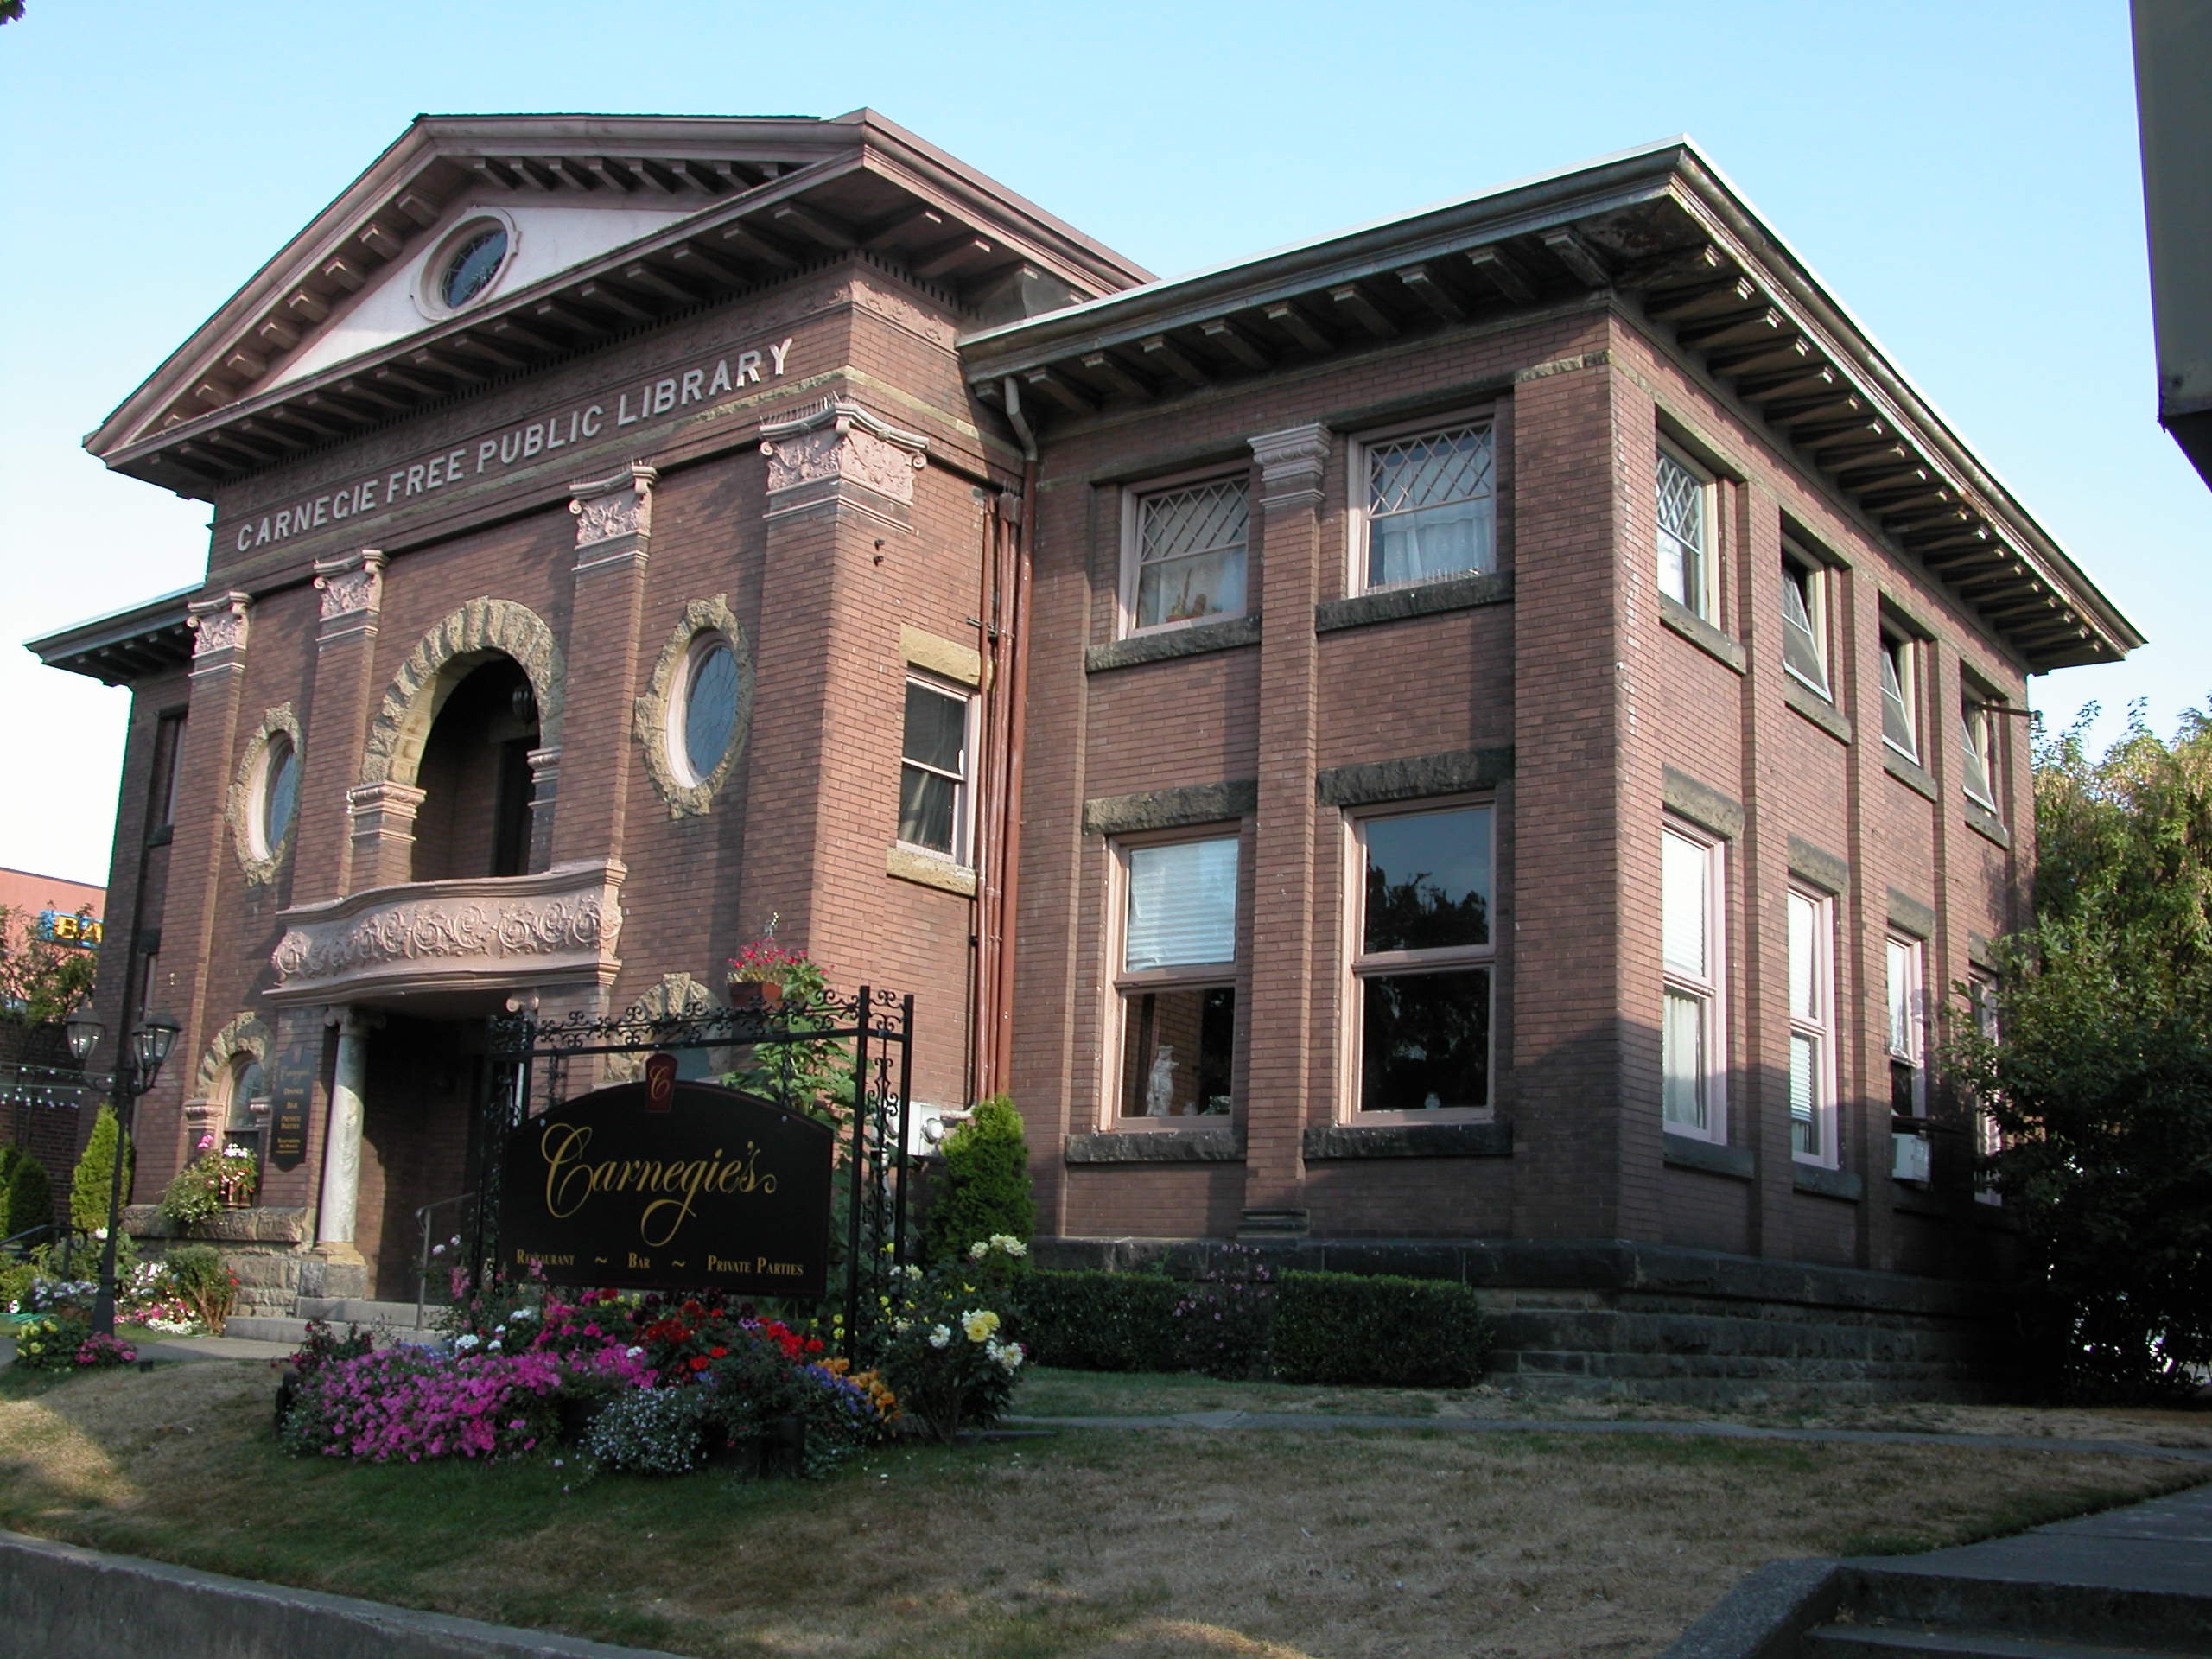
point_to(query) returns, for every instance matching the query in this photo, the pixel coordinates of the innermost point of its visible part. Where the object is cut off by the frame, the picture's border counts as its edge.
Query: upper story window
(1907, 1037)
(1690, 910)
(1177, 983)
(467, 264)
(1185, 561)
(934, 770)
(1422, 966)
(1805, 618)
(1686, 540)
(1430, 506)
(1978, 748)
(1900, 694)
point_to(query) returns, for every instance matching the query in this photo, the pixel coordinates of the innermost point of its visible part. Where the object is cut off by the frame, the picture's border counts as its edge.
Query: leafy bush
(205, 1283)
(16, 1279)
(90, 1186)
(1349, 1328)
(52, 1342)
(650, 1431)
(1225, 1313)
(1101, 1321)
(983, 1191)
(218, 1177)
(951, 1367)
(26, 1195)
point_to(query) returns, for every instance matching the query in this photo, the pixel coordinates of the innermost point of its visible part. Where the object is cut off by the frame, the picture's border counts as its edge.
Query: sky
(1963, 177)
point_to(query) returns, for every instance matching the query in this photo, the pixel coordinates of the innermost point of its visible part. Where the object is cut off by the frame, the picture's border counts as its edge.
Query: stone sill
(1701, 634)
(1349, 1140)
(1828, 1183)
(1194, 640)
(1222, 1146)
(1416, 599)
(1908, 772)
(1686, 1151)
(1809, 704)
(1988, 825)
(928, 869)
(254, 1226)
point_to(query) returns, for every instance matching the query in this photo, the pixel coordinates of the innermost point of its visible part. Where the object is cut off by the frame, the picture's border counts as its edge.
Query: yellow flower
(979, 1324)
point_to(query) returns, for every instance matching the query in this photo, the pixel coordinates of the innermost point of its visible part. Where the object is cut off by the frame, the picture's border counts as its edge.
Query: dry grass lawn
(1085, 1545)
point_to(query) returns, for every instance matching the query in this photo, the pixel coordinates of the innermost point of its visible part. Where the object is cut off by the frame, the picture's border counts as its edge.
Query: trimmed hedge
(1101, 1321)
(1347, 1328)
(1339, 1328)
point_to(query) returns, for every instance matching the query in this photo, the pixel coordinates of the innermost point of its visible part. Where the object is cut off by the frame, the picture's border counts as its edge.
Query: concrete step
(392, 1322)
(355, 1310)
(1921, 1641)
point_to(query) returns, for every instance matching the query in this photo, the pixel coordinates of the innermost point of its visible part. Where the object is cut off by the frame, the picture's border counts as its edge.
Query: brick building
(1479, 746)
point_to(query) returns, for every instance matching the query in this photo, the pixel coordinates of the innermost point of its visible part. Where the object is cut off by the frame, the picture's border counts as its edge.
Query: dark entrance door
(418, 1126)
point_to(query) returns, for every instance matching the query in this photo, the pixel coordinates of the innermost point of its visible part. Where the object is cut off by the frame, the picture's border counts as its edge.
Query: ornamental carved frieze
(619, 504)
(560, 925)
(351, 584)
(217, 623)
(842, 441)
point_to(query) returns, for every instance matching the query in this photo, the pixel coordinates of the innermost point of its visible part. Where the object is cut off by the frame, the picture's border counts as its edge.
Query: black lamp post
(141, 1064)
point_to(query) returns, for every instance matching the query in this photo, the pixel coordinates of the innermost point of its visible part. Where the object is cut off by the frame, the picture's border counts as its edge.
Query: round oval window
(471, 266)
(280, 787)
(709, 710)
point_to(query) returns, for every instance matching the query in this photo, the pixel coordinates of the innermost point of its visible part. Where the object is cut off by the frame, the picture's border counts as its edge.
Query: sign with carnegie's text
(669, 1184)
(493, 452)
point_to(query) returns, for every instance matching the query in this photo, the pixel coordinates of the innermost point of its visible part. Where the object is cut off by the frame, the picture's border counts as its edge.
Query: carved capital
(615, 509)
(1291, 464)
(842, 442)
(351, 585)
(217, 623)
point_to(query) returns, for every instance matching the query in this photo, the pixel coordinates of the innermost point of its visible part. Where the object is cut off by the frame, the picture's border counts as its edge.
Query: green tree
(2099, 1077)
(89, 1187)
(26, 1195)
(41, 980)
(984, 1188)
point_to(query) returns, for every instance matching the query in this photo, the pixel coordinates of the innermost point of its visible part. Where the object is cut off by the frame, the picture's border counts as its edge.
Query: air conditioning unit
(927, 1125)
(1909, 1155)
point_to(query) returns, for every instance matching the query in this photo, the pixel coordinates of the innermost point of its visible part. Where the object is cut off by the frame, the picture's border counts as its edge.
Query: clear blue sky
(1963, 175)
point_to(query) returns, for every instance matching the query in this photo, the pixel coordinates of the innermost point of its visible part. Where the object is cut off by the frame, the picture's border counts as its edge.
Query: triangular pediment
(603, 222)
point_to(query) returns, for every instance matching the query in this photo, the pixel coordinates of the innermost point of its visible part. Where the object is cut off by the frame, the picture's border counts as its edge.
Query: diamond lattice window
(1681, 533)
(1191, 553)
(1429, 506)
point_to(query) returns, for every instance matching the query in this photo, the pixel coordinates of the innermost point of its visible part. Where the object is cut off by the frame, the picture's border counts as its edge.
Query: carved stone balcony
(557, 927)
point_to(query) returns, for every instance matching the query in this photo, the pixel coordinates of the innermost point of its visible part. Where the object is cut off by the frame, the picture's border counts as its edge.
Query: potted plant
(223, 1177)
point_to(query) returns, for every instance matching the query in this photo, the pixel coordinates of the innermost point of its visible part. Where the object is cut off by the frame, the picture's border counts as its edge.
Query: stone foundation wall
(1606, 1316)
(267, 1248)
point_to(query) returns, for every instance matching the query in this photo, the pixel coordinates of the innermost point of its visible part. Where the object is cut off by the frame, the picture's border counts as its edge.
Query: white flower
(978, 1250)
(437, 1249)
(913, 1271)
(492, 1346)
(939, 1337)
(99, 1233)
(522, 1313)
(635, 1353)
(466, 1340)
(1008, 1355)
(902, 1326)
(1005, 1244)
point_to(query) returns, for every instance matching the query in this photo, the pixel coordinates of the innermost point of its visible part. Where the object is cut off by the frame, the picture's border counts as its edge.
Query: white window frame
(1905, 1028)
(674, 741)
(964, 795)
(1122, 983)
(1359, 965)
(1708, 990)
(1900, 655)
(1814, 1024)
(254, 1108)
(1981, 1008)
(1705, 564)
(1804, 574)
(1134, 503)
(1361, 498)
(1978, 721)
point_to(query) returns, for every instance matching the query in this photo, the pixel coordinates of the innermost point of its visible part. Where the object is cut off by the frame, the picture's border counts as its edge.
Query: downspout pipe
(1017, 693)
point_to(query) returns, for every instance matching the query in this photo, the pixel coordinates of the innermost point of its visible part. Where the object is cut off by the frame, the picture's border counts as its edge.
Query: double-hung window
(1185, 561)
(1812, 1027)
(1422, 969)
(1977, 750)
(934, 770)
(1906, 1042)
(1900, 694)
(1805, 618)
(1685, 514)
(1177, 985)
(1988, 1140)
(1431, 506)
(1690, 906)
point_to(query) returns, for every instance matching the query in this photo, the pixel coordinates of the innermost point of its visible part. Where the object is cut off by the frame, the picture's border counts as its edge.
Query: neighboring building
(1478, 745)
(39, 1107)
(2173, 55)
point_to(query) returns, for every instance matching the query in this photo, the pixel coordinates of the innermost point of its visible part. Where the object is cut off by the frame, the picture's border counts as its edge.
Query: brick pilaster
(351, 586)
(613, 536)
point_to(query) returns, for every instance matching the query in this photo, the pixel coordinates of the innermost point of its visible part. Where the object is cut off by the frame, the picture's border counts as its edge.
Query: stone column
(614, 525)
(382, 816)
(352, 596)
(342, 1149)
(1285, 1086)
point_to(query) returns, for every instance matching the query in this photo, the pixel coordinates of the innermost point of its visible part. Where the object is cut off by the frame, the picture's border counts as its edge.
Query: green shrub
(1352, 1328)
(983, 1192)
(15, 1279)
(205, 1282)
(1102, 1321)
(50, 1342)
(26, 1195)
(89, 1187)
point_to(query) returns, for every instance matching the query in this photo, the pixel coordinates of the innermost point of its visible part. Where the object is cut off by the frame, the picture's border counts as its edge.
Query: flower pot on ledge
(754, 995)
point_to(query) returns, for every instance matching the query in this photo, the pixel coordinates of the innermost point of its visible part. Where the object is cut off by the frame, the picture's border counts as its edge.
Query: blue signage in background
(81, 929)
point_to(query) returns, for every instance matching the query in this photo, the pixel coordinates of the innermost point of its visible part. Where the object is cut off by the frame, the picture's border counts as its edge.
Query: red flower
(715, 1353)
(698, 1362)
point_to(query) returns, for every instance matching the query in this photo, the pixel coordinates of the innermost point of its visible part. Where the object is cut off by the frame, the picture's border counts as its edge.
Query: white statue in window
(1159, 1083)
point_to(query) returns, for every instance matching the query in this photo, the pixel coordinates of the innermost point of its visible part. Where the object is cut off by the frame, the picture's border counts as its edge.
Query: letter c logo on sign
(660, 1082)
